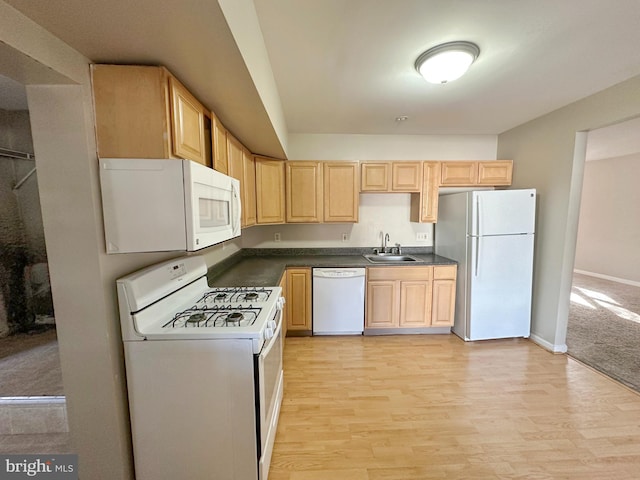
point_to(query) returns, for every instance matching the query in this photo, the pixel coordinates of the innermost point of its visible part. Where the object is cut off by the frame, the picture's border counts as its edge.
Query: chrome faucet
(384, 243)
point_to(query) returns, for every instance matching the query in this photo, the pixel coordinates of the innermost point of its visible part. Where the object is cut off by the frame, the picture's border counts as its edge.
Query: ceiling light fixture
(447, 62)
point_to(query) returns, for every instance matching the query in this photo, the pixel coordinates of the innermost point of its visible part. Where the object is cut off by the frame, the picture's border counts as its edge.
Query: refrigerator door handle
(477, 265)
(478, 217)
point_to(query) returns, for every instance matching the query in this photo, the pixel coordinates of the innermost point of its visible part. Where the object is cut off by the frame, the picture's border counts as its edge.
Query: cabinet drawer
(444, 272)
(399, 273)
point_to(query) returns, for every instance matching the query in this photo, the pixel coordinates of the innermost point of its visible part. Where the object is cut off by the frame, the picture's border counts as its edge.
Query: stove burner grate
(236, 295)
(196, 318)
(216, 316)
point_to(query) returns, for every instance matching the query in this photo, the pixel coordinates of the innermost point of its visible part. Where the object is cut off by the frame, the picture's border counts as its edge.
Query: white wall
(549, 155)
(391, 147)
(379, 212)
(388, 212)
(242, 18)
(609, 226)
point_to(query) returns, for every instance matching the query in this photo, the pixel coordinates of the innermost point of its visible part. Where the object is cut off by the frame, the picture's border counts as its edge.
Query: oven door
(269, 384)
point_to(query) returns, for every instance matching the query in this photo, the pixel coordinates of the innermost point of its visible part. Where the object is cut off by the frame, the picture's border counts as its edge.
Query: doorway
(604, 316)
(31, 394)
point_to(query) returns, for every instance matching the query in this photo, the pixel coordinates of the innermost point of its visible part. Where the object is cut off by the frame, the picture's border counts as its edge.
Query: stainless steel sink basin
(389, 258)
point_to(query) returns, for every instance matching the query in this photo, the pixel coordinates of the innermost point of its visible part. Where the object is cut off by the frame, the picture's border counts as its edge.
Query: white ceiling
(346, 66)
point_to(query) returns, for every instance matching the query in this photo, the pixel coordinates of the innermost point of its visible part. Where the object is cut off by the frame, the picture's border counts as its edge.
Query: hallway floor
(604, 327)
(41, 443)
(30, 365)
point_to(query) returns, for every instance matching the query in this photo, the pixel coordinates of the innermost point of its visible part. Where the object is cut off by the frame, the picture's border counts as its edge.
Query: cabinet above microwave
(155, 205)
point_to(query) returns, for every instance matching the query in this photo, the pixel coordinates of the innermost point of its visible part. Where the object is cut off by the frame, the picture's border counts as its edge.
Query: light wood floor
(431, 406)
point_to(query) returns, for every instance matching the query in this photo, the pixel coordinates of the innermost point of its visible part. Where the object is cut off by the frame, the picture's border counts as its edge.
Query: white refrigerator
(491, 235)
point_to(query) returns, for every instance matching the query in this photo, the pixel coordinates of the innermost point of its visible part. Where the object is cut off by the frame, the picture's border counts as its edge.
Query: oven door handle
(276, 333)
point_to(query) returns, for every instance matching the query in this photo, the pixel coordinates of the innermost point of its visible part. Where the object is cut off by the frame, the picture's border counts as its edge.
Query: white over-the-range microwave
(155, 205)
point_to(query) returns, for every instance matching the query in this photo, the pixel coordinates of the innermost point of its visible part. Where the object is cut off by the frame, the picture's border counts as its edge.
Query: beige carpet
(604, 327)
(30, 365)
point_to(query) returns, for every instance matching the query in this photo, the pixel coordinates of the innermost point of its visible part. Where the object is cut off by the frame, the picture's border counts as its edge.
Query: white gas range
(204, 373)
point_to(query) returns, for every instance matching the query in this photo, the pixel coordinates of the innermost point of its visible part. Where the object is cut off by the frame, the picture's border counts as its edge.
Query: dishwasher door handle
(338, 272)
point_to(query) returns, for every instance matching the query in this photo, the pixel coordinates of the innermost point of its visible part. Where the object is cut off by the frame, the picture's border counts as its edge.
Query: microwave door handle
(237, 207)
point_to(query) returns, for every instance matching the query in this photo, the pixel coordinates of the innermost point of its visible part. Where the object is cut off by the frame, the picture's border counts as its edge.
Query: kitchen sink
(389, 258)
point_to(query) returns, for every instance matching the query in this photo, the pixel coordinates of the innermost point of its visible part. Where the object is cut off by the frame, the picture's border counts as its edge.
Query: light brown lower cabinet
(298, 298)
(415, 303)
(410, 297)
(285, 309)
(382, 309)
(444, 295)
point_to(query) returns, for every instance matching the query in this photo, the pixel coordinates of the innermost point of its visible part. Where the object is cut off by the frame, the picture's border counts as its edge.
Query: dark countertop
(264, 268)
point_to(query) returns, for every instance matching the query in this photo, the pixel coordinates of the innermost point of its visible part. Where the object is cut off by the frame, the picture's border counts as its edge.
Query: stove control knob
(272, 325)
(280, 303)
(268, 333)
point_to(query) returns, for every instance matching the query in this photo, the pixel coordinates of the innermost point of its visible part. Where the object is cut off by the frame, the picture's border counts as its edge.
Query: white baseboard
(547, 345)
(608, 277)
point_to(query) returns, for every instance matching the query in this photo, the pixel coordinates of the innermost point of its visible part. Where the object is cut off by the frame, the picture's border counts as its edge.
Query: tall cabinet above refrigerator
(491, 235)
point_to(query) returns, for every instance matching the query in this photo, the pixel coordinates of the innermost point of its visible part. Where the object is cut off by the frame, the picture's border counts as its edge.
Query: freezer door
(502, 212)
(500, 279)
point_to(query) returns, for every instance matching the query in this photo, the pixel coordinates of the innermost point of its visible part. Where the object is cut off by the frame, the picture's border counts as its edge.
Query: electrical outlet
(345, 237)
(276, 237)
(422, 236)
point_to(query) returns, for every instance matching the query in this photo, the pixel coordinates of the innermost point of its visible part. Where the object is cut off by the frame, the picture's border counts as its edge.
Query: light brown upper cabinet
(498, 172)
(459, 173)
(304, 192)
(374, 176)
(145, 112)
(320, 192)
(219, 147)
(391, 176)
(270, 188)
(424, 205)
(187, 116)
(468, 174)
(249, 205)
(243, 171)
(406, 176)
(341, 196)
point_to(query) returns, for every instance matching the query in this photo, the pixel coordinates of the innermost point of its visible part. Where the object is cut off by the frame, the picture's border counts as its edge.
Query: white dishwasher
(338, 301)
